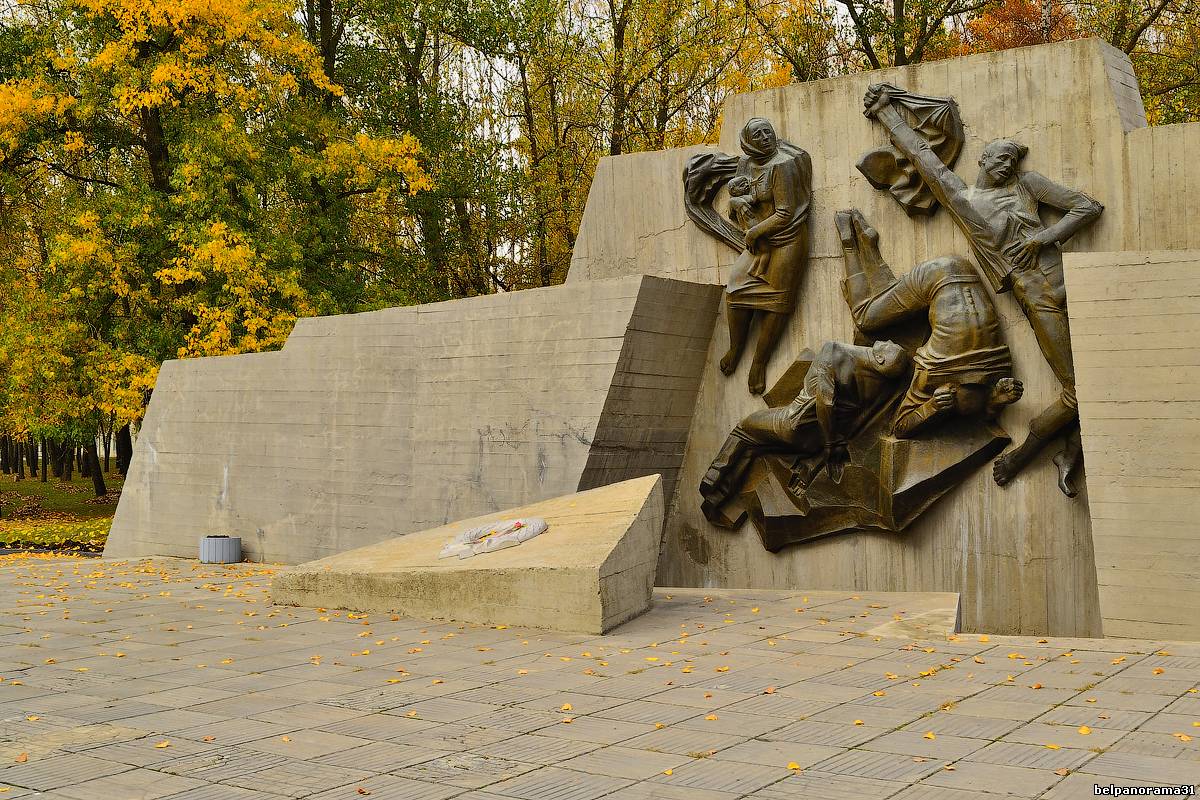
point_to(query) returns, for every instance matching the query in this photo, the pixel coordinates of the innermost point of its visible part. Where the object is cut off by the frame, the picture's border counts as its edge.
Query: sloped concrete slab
(592, 570)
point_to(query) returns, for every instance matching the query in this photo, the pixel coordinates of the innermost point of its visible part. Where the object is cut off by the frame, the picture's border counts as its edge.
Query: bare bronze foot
(729, 361)
(1006, 467)
(845, 229)
(867, 235)
(758, 378)
(1066, 471)
(1006, 392)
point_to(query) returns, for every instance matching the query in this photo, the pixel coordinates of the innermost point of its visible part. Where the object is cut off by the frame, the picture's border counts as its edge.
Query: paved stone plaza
(170, 679)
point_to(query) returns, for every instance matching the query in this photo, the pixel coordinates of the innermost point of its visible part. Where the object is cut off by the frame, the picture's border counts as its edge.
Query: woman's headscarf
(749, 147)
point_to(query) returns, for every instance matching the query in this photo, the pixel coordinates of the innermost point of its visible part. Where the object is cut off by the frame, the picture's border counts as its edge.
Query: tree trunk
(19, 457)
(155, 142)
(124, 449)
(93, 463)
(5, 464)
(618, 88)
(108, 436)
(31, 451)
(85, 463)
(68, 461)
(328, 45)
(55, 456)
(45, 461)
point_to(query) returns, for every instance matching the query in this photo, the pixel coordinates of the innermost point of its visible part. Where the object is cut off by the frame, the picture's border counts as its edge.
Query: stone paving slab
(170, 680)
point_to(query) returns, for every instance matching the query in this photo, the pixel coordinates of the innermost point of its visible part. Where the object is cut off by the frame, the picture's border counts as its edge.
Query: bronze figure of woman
(770, 190)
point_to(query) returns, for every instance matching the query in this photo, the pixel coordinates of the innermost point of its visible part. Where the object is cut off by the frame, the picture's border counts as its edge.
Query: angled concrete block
(590, 571)
(1134, 321)
(369, 426)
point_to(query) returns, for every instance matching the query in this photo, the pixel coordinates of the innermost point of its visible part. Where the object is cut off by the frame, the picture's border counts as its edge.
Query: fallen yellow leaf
(1084, 730)
(793, 765)
(163, 744)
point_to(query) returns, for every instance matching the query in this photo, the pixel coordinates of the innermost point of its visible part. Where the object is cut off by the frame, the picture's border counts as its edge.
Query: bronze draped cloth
(779, 186)
(937, 120)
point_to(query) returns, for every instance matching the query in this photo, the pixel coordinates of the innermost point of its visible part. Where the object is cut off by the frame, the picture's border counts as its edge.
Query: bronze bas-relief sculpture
(842, 386)
(1017, 252)
(770, 190)
(963, 365)
(859, 443)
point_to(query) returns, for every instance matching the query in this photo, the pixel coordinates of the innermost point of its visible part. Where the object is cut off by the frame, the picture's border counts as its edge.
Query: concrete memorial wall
(369, 426)
(1021, 556)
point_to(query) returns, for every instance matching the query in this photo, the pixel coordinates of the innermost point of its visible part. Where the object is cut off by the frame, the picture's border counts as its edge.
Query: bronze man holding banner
(1017, 252)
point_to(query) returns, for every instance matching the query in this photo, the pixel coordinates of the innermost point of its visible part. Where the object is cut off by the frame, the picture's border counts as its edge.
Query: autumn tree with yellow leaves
(179, 178)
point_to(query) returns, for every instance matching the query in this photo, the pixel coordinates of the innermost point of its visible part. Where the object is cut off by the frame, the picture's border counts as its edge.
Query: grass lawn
(56, 514)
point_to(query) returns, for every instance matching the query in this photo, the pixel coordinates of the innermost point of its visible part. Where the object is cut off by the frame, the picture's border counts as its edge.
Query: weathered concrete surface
(369, 426)
(590, 571)
(635, 223)
(1022, 556)
(1135, 319)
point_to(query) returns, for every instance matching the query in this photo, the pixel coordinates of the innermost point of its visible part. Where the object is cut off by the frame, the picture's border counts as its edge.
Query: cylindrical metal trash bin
(220, 549)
